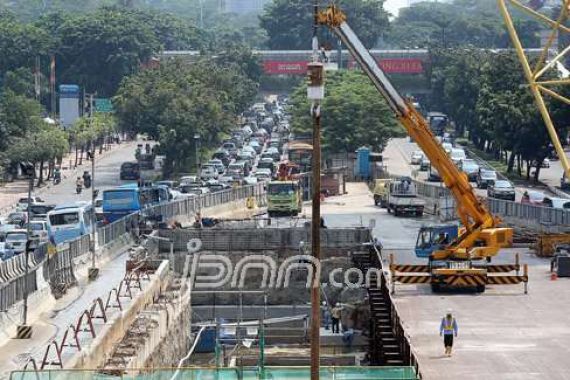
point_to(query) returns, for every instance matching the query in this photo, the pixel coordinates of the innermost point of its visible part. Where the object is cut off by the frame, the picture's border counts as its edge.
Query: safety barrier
(58, 268)
(545, 216)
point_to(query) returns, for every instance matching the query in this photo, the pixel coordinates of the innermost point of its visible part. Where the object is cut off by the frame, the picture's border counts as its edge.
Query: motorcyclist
(56, 175)
(79, 185)
(87, 179)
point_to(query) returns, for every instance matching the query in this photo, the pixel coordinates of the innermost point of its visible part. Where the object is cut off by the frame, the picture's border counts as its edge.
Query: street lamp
(198, 159)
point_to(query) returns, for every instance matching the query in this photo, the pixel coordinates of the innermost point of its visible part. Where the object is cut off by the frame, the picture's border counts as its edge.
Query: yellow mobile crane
(464, 261)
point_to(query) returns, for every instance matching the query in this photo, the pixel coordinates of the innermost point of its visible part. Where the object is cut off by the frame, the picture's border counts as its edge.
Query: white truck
(403, 198)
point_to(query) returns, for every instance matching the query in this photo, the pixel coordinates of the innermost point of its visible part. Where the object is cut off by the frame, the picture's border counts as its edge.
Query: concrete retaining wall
(255, 239)
(96, 354)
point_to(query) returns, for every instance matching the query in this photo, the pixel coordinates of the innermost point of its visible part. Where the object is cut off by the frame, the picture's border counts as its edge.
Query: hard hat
(449, 311)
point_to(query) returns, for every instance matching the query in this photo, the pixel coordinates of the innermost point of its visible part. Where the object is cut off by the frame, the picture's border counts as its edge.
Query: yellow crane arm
(480, 224)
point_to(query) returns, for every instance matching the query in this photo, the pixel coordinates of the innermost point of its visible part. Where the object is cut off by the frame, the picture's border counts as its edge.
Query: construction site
(382, 276)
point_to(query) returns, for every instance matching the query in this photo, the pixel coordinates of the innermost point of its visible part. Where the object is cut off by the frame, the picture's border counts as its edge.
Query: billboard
(68, 104)
(390, 66)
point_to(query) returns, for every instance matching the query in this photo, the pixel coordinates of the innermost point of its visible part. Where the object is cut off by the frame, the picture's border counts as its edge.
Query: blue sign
(69, 91)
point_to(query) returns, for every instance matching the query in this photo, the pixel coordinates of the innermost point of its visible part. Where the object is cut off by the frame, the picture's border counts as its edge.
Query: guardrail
(529, 213)
(58, 268)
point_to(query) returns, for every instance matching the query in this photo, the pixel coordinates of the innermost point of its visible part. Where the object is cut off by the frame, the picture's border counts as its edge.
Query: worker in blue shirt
(448, 329)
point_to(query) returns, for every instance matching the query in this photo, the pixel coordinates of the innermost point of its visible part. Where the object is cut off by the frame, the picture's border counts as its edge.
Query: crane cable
(190, 352)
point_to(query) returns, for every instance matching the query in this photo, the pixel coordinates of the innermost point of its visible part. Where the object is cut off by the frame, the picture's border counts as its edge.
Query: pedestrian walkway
(52, 325)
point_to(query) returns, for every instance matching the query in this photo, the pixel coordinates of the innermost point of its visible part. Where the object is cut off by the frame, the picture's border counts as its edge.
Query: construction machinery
(284, 195)
(452, 265)
(540, 86)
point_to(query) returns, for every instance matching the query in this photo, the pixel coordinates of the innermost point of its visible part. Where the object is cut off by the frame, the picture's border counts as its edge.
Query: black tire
(389, 209)
(270, 214)
(396, 212)
(376, 202)
(480, 289)
(435, 287)
(419, 214)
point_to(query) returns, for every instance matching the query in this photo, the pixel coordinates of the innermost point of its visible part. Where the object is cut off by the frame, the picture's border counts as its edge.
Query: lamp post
(93, 271)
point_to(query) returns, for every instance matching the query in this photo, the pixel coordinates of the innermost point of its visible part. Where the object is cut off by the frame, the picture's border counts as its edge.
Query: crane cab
(433, 238)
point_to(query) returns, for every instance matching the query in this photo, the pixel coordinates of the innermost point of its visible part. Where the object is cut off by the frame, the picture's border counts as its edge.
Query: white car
(39, 230)
(16, 241)
(457, 155)
(416, 157)
(447, 147)
(249, 149)
(23, 202)
(263, 176)
(218, 164)
(250, 180)
(208, 172)
(189, 179)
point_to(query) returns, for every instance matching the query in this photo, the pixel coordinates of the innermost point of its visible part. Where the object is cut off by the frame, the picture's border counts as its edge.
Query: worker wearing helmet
(448, 329)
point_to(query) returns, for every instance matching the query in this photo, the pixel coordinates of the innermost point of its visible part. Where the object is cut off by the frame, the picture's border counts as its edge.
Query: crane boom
(482, 238)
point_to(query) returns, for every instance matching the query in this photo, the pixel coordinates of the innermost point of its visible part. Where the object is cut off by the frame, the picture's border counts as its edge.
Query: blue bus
(70, 221)
(127, 199)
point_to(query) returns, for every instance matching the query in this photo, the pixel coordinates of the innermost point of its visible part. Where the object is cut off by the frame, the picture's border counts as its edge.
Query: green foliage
(353, 114)
(178, 101)
(484, 94)
(464, 22)
(288, 23)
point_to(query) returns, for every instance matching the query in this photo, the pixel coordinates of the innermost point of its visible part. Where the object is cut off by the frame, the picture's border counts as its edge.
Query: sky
(393, 5)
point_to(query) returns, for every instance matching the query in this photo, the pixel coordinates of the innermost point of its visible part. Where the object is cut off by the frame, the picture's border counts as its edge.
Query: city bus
(70, 221)
(128, 199)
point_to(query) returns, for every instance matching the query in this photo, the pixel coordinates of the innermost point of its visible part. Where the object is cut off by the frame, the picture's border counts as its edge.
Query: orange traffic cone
(553, 276)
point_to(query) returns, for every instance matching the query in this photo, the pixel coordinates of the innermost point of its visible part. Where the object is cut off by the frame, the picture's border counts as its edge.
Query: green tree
(178, 101)
(289, 23)
(353, 114)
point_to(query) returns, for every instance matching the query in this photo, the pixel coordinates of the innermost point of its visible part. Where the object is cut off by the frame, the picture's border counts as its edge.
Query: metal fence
(58, 269)
(529, 213)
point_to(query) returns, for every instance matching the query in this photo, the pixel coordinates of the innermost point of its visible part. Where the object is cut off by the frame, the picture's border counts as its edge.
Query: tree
(461, 23)
(289, 23)
(178, 101)
(353, 114)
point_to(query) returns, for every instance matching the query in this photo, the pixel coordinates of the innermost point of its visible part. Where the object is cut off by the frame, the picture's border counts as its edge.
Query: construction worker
(448, 329)
(336, 315)
(326, 315)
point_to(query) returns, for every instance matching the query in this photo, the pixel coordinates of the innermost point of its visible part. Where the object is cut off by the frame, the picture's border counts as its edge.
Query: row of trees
(175, 103)
(484, 94)
(353, 115)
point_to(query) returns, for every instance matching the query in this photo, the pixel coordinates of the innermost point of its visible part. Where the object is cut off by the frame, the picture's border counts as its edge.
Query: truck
(284, 198)
(462, 262)
(403, 198)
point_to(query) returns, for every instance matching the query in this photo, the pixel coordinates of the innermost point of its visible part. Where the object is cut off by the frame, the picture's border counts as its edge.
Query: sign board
(103, 105)
(285, 67)
(68, 104)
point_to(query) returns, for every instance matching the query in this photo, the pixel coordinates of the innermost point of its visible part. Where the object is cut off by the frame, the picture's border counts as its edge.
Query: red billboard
(402, 66)
(285, 67)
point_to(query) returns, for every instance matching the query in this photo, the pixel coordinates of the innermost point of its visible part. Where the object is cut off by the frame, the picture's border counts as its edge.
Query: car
(416, 158)
(559, 203)
(249, 149)
(17, 217)
(226, 179)
(130, 171)
(40, 209)
(23, 202)
(16, 241)
(208, 172)
(447, 146)
(247, 131)
(246, 157)
(485, 177)
(433, 175)
(5, 254)
(469, 167)
(502, 189)
(39, 230)
(257, 147)
(230, 147)
(218, 165)
(223, 155)
(457, 155)
(250, 180)
(425, 164)
(533, 197)
(266, 163)
(169, 184)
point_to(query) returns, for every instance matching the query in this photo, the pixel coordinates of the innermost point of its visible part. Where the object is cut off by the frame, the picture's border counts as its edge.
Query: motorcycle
(78, 189)
(57, 177)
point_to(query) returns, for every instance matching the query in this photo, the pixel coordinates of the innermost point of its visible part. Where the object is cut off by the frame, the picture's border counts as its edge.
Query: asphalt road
(106, 176)
(402, 148)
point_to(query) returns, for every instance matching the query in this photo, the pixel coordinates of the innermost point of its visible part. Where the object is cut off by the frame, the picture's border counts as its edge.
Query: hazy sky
(393, 5)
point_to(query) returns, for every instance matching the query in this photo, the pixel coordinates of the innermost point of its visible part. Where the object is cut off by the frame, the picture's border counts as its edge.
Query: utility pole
(93, 271)
(24, 331)
(315, 93)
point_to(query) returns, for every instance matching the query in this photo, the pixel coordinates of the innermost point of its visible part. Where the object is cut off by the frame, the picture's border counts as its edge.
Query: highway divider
(58, 268)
